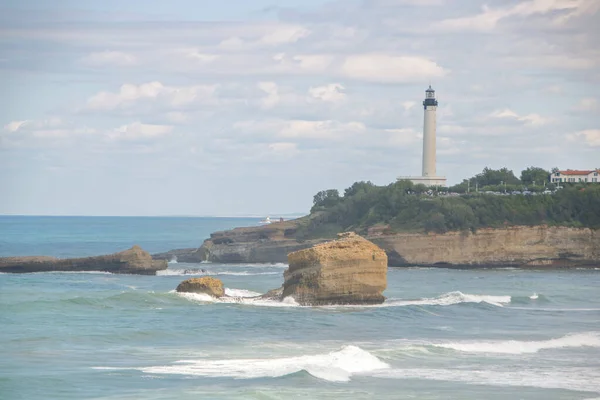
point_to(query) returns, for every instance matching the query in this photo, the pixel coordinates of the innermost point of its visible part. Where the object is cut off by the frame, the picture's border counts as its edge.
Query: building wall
(563, 177)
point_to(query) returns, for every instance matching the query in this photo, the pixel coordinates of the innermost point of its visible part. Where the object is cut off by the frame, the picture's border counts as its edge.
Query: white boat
(265, 221)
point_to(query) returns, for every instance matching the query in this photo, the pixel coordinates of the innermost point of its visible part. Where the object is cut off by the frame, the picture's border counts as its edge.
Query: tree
(326, 198)
(534, 174)
(496, 177)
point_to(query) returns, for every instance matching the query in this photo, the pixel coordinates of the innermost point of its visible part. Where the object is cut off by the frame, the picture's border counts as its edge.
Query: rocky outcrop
(525, 247)
(262, 244)
(132, 261)
(206, 285)
(537, 247)
(350, 270)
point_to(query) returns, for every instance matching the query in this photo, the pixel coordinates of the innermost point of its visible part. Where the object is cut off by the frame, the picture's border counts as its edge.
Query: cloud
(171, 96)
(563, 10)
(529, 119)
(588, 104)
(590, 137)
(301, 129)
(390, 69)
(110, 58)
(286, 148)
(14, 125)
(137, 130)
(332, 93)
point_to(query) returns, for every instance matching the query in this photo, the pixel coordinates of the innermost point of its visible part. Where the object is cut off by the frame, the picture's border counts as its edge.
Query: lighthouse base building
(429, 176)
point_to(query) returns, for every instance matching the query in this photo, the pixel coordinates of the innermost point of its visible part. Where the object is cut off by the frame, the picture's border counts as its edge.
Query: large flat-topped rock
(131, 261)
(349, 270)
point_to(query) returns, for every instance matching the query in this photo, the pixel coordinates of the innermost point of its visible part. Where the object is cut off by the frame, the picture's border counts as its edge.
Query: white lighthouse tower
(429, 174)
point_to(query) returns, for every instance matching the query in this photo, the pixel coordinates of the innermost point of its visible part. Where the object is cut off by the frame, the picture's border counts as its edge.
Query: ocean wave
(203, 272)
(246, 299)
(575, 378)
(336, 366)
(588, 339)
(448, 299)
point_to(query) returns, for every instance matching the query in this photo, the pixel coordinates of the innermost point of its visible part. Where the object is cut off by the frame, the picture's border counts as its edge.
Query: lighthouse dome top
(430, 89)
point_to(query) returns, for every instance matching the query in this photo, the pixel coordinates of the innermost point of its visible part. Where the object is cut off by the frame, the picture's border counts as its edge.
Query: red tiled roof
(575, 172)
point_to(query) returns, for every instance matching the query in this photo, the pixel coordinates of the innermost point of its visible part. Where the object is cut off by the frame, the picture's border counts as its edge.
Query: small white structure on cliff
(429, 175)
(576, 176)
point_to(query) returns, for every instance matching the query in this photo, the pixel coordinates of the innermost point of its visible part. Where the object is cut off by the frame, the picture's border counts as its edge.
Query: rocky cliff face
(350, 270)
(527, 247)
(132, 261)
(520, 246)
(262, 244)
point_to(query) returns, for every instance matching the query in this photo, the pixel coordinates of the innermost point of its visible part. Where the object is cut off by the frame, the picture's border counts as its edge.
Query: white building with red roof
(576, 176)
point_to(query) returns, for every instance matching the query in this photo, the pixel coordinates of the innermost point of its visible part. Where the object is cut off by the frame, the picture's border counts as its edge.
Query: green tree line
(403, 206)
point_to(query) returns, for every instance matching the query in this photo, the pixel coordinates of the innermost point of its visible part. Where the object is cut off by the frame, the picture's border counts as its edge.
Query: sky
(250, 107)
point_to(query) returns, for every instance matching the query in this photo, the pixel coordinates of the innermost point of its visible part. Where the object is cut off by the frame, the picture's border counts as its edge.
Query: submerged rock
(349, 270)
(132, 261)
(206, 285)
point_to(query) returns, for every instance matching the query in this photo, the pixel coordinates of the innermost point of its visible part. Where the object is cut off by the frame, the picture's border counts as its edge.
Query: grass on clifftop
(403, 207)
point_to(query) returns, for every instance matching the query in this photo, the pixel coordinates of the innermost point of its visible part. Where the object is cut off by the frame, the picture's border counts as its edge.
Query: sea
(441, 334)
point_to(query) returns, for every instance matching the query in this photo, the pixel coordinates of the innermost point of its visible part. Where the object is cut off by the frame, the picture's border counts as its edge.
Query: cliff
(350, 270)
(132, 261)
(525, 247)
(519, 246)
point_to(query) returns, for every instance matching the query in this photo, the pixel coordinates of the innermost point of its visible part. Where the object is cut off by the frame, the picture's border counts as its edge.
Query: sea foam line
(336, 366)
(587, 339)
(579, 379)
(446, 299)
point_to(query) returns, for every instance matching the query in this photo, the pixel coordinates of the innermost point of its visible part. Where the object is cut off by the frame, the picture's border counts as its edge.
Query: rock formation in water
(349, 270)
(132, 261)
(206, 285)
(518, 246)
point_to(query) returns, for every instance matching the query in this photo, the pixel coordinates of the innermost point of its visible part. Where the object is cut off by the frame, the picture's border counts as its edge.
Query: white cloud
(272, 98)
(588, 104)
(302, 129)
(14, 125)
(408, 105)
(332, 92)
(489, 17)
(172, 96)
(137, 130)
(110, 58)
(284, 35)
(529, 119)
(391, 69)
(283, 147)
(590, 136)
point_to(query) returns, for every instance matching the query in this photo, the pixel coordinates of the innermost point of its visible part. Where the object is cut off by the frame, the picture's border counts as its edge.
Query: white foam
(337, 366)
(580, 379)
(192, 272)
(534, 296)
(173, 260)
(245, 273)
(246, 298)
(588, 339)
(448, 299)
(241, 293)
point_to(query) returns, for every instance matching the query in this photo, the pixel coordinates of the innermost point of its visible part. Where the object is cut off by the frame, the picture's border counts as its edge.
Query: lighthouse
(429, 175)
(430, 105)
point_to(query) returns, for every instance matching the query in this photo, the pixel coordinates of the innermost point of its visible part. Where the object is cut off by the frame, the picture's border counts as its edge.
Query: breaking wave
(588, 339)
(203, 272)
(448, 299)
(337, 366)
(580, 379)
(239, 296)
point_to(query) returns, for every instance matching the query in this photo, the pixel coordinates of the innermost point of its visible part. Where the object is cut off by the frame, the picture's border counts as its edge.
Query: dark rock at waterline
(180, 255)
(132, 261)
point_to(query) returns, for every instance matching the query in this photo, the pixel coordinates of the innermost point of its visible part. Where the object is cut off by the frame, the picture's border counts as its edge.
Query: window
(595, 174)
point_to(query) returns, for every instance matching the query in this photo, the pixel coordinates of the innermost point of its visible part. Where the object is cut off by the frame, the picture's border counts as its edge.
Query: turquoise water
(488, 334)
